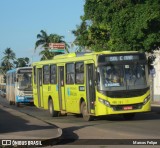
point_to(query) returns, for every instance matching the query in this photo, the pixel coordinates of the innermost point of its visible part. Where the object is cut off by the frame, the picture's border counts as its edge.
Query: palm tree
(46, 54)
(8, 58)
(26, 59)
(44, 39)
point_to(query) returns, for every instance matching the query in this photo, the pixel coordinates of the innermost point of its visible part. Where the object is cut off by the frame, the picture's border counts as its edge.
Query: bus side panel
(35, 95)
(71, 98)
(54, 94)
(68, 96)
(73, 95)
(10, 93)
(45, 95)
(10, 89)
(50, 92)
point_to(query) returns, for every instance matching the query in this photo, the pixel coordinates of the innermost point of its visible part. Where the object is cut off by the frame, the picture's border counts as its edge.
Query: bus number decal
(81, 88)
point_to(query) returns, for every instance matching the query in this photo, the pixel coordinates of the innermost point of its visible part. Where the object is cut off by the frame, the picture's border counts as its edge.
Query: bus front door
(61, 89)
(90, 87)
(39, 87)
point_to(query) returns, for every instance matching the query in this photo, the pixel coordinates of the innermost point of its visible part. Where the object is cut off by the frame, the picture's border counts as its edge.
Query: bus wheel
(51, 109)
(10, 103)
(129, 116)
(85, 114)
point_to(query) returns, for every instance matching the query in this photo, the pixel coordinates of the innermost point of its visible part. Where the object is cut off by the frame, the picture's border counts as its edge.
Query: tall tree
(9, 57)
(82, 38)
(122, 24)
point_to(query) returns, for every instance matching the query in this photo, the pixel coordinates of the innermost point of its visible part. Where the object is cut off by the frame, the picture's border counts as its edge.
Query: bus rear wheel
(129, 116)
(85, 114)
(10, 103)
(52, 112)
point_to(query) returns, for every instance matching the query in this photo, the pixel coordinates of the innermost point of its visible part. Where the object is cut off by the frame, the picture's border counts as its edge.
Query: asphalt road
(144, 126)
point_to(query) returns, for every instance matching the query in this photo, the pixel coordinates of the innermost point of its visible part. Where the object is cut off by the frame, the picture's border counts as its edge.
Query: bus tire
(84, 111)
(129, 116)
(52, 112)
(10, 103)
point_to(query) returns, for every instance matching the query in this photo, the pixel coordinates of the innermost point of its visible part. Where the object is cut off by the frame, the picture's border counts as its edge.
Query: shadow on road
(68, 136)
(12, 123)
(154, 114)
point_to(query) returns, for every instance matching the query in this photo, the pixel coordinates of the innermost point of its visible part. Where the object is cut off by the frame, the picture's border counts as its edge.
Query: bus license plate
(127, 107)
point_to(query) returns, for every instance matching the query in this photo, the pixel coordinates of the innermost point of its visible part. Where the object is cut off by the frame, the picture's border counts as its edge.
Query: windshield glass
(122, 77)
(24, 81)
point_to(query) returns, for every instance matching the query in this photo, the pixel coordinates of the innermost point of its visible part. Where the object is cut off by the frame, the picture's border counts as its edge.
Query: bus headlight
(146, 99)
(105, 102)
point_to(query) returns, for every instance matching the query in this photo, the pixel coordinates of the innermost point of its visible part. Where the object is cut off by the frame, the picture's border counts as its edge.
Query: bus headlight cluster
(105, 102)
(146, 99)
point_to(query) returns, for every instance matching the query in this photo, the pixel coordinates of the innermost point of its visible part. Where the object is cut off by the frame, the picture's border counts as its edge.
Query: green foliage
(7, 60)
(21, 62)
(43, 41)
(120, 25)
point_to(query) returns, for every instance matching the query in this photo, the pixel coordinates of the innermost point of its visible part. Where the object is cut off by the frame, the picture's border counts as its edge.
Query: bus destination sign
(121, 58)
(25, 71)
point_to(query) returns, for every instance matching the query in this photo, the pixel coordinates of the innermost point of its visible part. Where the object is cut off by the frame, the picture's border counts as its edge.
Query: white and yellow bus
(19, 86)
(93, 84)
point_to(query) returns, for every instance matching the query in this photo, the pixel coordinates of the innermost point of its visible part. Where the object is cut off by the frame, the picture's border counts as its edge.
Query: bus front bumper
(24, 99)
(104, 109)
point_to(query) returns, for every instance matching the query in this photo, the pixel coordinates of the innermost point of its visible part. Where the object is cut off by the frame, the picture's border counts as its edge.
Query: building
(2, 83)
(156, 77)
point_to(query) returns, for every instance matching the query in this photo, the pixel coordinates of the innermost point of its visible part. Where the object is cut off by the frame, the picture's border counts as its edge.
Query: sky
(22, 20)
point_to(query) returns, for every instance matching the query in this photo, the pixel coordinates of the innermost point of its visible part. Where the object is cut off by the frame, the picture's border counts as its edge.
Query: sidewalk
(155, 103)
(17, 125)
(155, 106)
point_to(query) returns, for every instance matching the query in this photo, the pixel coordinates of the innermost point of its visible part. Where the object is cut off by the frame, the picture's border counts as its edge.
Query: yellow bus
(93, 84)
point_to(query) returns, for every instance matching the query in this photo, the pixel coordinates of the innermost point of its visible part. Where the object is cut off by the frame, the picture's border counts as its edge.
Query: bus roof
(78, 54)
(82, 54)
(16, 69)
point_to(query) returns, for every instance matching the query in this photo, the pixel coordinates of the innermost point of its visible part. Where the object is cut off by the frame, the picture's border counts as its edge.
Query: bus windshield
(24, 81)
(122, 77)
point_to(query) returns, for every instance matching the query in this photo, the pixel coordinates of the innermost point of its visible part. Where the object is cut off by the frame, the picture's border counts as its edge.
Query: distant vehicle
(19, 86)
(3, 93)
(93, 84)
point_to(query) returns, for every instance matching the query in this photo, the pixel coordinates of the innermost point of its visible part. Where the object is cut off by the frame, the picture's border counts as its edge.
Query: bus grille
(28, 93)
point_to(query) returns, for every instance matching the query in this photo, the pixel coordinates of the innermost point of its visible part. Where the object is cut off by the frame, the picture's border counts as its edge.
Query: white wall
(156, 83)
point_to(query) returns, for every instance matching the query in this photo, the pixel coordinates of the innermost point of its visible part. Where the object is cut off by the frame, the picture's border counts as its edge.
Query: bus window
(24, 81)
(79, 73)
(122, 77)
(53, 74)
(46, 74)
(112, 76)
(135, 76)
(70, 73)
